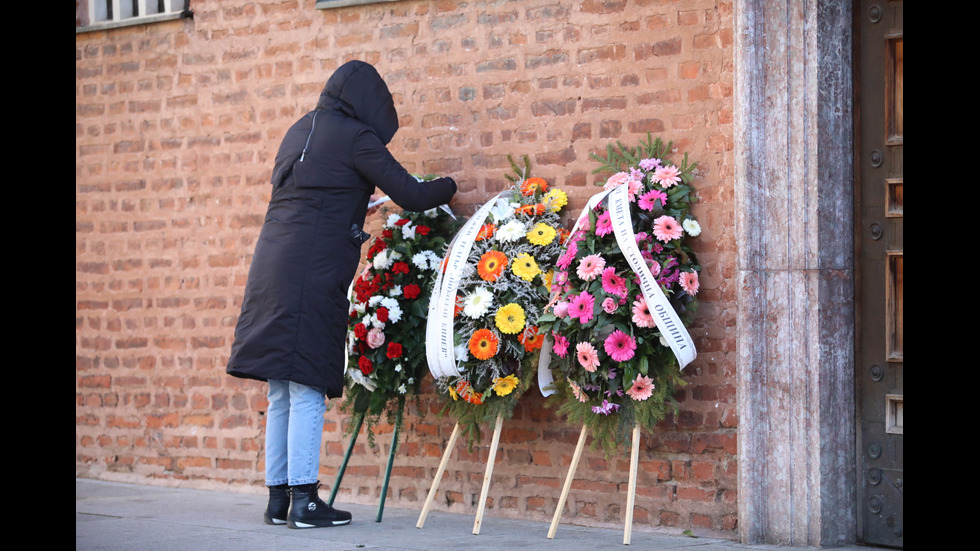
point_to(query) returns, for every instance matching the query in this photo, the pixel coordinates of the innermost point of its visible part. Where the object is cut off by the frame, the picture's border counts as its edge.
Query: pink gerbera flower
(641, 313)
(565, 260)
(588, 358)
(647, 200)
(581, 307)
(590, 267)
(577, 391)
(642, 388)
(612, 283)
(667, 229)
(603, 225)
(560, 345)
(667, 176)
(689, 282)
(616, 180)
(620, 346)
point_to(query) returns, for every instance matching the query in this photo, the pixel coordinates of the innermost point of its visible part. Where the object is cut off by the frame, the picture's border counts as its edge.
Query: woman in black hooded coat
(293, 324)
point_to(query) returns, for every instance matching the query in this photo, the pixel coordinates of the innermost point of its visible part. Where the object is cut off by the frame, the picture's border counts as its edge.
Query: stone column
(794, 229)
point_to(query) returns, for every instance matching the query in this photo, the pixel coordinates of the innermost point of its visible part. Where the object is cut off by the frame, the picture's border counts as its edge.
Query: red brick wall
(176, 125)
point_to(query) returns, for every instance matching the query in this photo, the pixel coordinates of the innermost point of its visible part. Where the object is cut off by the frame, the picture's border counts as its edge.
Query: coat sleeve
(374, 163)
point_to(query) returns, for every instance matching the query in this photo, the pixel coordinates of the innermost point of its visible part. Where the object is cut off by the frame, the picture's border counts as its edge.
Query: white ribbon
(439, 346)
(664, 315)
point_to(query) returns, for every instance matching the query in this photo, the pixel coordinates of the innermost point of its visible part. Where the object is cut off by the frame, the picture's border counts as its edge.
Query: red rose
(394, 351)
(400, 268)
(382, 315)
(411, 290)
(360, 331)
(364, 364)
(422, 230)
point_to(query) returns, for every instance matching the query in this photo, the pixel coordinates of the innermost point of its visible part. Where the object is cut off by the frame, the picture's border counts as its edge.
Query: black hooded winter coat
(293, 323)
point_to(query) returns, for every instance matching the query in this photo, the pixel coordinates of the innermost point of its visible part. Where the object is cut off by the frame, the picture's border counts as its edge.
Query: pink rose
(375, 337)
(609, 305)
(561, 309)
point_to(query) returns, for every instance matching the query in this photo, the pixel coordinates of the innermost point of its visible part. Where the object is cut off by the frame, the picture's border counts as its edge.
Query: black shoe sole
(303, 525)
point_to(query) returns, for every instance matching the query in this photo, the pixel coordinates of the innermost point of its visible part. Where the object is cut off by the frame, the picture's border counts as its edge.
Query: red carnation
(401, 222)
(364, 364)
(376, 248)
(411, 290)
(382, 315)
(386, 234)
(422, 230)
(394, 351)
(360, 331)
(400, 268)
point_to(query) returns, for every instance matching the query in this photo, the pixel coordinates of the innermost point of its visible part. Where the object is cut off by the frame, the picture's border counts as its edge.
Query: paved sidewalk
(111, 516)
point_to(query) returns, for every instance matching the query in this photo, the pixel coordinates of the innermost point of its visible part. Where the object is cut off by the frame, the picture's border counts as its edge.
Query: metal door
(880, 133)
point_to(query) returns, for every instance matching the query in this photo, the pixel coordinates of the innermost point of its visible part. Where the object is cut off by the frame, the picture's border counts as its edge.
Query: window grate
(104, 14)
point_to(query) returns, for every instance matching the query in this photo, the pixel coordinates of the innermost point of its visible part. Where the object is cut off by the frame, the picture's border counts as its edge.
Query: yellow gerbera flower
(555, 199)
(525, 267)
(546, 278)
(505, 385)
(510, 318)
(541, 234)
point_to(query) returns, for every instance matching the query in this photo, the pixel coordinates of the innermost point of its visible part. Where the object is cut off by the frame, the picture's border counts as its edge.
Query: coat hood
(358, 90)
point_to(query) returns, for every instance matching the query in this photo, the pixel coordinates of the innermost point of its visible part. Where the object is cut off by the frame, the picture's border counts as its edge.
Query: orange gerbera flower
(466, 392)
(531, 339)
(486, 232)
(536, 209)
(533, 185)
(483, 344)
(491, 265)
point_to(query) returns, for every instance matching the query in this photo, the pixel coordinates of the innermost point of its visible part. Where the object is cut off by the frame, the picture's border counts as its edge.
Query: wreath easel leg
(435, 481)
(568, 481)
(631, 492)
(391, 460)
(486, 477)
(358, 420)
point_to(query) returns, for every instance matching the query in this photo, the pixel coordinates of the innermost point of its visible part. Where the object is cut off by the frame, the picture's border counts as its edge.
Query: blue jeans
(293, 432)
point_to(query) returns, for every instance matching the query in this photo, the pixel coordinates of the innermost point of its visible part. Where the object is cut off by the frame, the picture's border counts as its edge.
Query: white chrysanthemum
(477, 303)
(394, 311)
(432, 213)
(361, 379)
(434, 260)
(373, 301)
(382, 261)
(395, 291)
(392, 218)
(503, 210)
(421, 260)
(692, 227)
(511, 231)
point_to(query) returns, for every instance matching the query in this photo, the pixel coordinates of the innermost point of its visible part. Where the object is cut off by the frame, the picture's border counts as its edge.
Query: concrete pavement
(111, 516)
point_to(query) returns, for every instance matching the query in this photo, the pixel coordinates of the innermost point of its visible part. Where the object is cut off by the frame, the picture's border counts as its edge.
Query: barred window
(106, 14)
